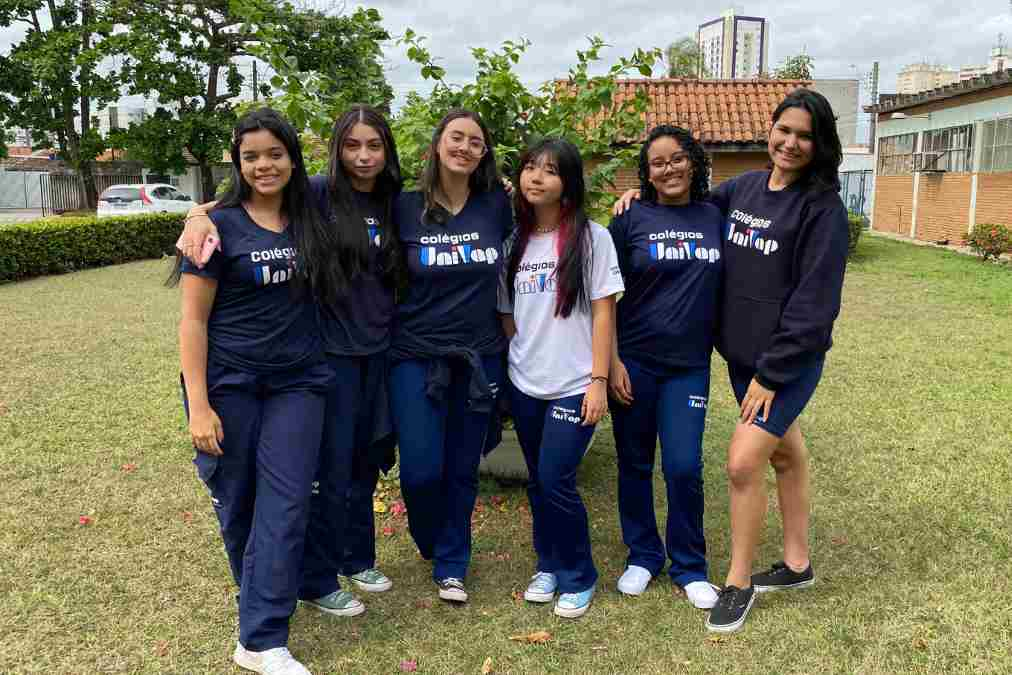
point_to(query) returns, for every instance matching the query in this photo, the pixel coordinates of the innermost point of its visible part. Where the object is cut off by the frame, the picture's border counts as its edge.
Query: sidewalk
(962, 250)
(19, 215)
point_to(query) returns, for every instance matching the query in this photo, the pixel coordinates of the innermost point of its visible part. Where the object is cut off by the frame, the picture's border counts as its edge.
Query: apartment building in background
(734, 46)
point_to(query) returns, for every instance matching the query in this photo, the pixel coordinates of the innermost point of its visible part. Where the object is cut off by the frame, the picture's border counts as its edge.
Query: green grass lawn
(910, 432)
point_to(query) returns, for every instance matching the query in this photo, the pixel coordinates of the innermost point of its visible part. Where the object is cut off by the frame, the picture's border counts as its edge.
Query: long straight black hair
(823, 172)
(574, 246)
(317, 264)
(351, 241)
(483, 179)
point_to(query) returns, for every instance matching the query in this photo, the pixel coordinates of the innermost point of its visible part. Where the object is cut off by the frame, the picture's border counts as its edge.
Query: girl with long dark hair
(669, 250)
(785, 252)
(361, 262)
(558, 308)
(447, 342)
(255, 381)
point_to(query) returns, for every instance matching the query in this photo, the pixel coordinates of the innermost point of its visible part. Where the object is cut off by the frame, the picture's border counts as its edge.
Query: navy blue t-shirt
(359, 323)
(453, 272)
(671, 261)
(785, 253)
(257, 322)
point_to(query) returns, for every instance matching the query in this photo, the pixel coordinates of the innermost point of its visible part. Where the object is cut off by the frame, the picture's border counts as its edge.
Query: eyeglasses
(676, 162)
(475, 146)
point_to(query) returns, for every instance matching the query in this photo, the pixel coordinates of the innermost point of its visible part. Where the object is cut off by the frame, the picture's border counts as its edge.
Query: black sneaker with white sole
(780, 577)
(452, 589)
(732, 607)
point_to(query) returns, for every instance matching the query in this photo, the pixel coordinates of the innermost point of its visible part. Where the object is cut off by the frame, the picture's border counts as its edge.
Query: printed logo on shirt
(280, 266)
(746, 230)
(373, 226)
(697, 402)
(541, 278)
(684, 250)
(565, 414)
(445, 250)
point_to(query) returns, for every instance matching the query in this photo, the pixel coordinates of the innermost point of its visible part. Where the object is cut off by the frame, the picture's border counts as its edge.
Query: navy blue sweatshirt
(785, 253)
(671, 261)
(257, 324)
(358, 324)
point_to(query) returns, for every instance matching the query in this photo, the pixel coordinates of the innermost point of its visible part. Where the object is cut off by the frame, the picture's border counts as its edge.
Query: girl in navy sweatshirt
(785, 251)
(447, 343)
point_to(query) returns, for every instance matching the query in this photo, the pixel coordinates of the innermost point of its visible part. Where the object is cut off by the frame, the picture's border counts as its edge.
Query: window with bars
(949, 149)
(896, 154)
(996, 146)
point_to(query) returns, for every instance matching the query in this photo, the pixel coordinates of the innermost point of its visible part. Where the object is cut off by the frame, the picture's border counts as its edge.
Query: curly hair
(700, 186)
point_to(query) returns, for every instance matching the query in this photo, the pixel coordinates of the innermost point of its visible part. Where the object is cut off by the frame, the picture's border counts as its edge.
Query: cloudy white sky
(837, 35)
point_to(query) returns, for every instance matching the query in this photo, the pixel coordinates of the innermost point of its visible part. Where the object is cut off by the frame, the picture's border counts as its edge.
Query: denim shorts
(789, 401)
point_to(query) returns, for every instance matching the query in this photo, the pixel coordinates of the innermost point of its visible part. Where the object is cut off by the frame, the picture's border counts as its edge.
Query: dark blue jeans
(440, 444)
(554, 443)
(673, 408)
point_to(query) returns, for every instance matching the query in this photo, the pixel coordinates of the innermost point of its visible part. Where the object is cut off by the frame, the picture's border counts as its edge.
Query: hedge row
(856, 224)
(54, 245)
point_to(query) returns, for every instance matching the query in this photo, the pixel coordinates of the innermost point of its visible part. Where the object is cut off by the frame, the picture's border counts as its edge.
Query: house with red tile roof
(730, 117)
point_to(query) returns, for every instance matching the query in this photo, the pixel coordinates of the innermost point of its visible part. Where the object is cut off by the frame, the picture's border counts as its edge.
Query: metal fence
(856, 189)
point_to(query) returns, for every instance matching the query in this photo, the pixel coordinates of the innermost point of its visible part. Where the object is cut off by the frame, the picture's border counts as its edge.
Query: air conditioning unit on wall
(927, 162)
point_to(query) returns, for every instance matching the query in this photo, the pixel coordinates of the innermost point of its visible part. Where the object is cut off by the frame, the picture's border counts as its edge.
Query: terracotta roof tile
(717, 111)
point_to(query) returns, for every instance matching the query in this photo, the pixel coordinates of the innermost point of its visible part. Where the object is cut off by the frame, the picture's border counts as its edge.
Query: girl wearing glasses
(447, 342)
(669, 251)
(558, 306)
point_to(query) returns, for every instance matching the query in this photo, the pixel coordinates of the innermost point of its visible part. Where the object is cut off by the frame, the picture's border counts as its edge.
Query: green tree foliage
(798, 67)
(684, 59)
(53, 79)
(196, 57)
(581, 108)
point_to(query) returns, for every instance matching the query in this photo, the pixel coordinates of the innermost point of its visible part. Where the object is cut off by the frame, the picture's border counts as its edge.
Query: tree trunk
(206, 180)
(88, 184)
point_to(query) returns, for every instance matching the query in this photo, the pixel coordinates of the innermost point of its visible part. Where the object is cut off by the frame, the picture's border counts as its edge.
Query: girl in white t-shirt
(558, 305)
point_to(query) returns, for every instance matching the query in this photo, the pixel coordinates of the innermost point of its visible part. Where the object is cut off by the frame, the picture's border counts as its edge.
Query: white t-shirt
(551, 357)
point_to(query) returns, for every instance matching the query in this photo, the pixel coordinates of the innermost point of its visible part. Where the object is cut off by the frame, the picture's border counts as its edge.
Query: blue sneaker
(573, 605)
(542, 587)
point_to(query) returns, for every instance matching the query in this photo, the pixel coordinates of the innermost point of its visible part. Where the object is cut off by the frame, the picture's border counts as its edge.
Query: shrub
(54, 245)
(856, 223)
(990, 241)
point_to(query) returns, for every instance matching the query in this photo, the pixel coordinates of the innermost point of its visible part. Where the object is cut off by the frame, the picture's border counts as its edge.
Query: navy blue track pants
(260, 487)
(440, 444)
(554, 442)
(673, 408)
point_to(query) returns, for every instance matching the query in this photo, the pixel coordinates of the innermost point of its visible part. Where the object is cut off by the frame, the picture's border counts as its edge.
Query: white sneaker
(277, 661)
(634, 580)
(702, 594)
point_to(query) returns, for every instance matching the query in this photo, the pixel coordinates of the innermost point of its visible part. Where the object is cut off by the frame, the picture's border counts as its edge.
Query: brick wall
(943, 206)
(994, 199)
(894, 199)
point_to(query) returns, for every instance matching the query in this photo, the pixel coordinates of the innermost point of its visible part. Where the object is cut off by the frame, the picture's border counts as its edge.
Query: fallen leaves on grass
(409, 666)
(518, 596)
(162, 648)
(187, 517)
(920, 643)
(423, 603)
(129, 467)
(716, 639)
(536, 638)
(84, 520)
(3, 409)
(839, 540)
(486, 668)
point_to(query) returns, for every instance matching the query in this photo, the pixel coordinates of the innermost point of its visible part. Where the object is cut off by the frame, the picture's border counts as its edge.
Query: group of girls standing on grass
(340, 315)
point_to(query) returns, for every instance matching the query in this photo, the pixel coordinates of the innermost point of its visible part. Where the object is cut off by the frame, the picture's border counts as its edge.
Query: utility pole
(874, 101)
(255, 85)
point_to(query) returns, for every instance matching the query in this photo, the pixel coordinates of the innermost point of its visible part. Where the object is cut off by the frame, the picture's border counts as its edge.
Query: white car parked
(126, 200)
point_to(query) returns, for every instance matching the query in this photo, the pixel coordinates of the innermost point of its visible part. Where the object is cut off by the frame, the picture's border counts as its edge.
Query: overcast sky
(855, 32)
